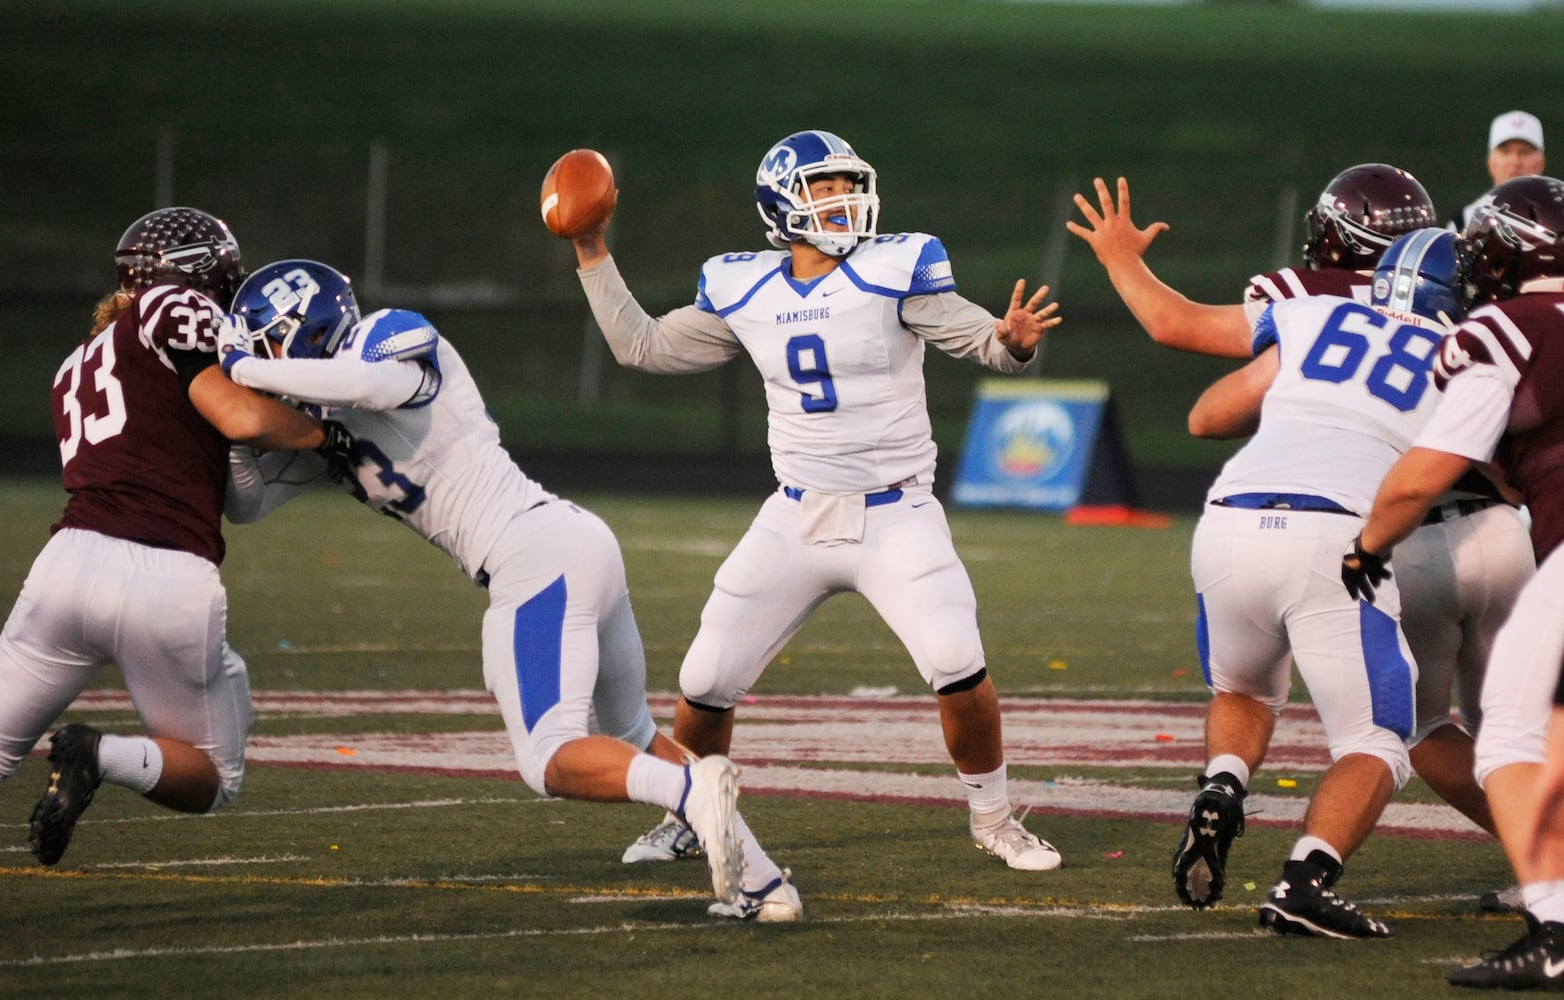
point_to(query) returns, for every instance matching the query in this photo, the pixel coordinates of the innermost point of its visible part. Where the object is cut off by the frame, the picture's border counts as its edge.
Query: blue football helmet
(1422, 274)
(783, 200)
(296, 309)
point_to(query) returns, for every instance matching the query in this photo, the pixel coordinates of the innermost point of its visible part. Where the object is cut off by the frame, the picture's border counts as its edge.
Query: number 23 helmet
(297, 308)
(789, 211)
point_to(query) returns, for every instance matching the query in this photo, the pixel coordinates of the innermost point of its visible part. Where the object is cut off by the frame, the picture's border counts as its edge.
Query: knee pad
(965, 684)
(1500, 746)
(1388, 747)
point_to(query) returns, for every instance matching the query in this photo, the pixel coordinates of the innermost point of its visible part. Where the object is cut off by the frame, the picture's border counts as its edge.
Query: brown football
(578, 193)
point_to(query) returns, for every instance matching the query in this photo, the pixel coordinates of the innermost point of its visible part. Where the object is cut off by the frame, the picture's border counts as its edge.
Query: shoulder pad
(392, 335)
(729, 277)
(903, 264)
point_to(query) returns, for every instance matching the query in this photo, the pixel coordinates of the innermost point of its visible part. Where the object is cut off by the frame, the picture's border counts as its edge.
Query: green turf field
(978, 115)
(349, 879)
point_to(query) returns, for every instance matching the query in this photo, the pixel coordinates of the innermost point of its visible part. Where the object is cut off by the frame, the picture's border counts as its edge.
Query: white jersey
(427, 451)
(841, 355)
(1352, 392)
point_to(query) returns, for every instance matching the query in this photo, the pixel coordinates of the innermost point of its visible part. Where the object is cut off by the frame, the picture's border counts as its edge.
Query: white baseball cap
(1515, 125)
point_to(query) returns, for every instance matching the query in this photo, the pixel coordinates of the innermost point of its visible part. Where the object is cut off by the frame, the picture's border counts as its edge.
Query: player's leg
(43, 664)
(1241, 576)
(1361, 678)
(763, 592)
(909, 571)
(1512, 747)
(553, 580)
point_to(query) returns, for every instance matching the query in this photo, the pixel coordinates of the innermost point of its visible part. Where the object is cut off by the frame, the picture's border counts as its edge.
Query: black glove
(1362, 571)
(337, 449)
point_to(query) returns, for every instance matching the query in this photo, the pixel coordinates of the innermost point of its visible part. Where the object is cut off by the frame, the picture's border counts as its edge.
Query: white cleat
(669, 840)
(1016, 846)
(709, 808)
(776, 903)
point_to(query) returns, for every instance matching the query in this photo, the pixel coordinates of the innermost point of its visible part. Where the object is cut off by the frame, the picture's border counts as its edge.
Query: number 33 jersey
(139, 461)
(1352, 392)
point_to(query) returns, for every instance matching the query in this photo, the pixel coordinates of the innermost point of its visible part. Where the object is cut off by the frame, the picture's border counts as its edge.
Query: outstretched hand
(1023, 324)
(1113, 236)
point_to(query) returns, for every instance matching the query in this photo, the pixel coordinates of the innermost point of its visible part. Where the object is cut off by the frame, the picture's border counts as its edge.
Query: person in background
(1514, 150)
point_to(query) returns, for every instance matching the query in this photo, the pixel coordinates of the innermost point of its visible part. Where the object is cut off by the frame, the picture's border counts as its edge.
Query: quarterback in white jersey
(560, 644)
(836, 319)
(1346, 389)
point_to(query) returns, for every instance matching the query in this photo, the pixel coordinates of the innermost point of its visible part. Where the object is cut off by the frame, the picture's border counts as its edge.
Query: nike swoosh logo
(143, 758)
(923, 504)
(1551, 967)
(831, 292)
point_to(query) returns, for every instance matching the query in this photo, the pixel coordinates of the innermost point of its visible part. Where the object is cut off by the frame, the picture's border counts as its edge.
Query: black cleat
(74, 778)
(1535, 962)
(1200, 862)
(1303, 903)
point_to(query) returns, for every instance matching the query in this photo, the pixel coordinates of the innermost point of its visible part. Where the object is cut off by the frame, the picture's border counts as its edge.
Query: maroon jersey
(1290, 283)
(140, 462)
(1522, 340)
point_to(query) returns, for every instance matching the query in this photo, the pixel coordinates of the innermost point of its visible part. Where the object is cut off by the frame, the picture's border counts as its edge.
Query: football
(578, 193)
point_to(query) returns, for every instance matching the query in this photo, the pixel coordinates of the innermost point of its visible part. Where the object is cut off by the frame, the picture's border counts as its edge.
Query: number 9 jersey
(1352, 391)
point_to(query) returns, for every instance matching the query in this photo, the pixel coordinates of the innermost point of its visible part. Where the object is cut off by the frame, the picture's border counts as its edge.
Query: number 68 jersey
(1352, 392)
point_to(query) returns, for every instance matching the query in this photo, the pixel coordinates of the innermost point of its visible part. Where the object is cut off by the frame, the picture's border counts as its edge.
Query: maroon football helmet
(1360, 212)
(1516, 234)
(181, 246)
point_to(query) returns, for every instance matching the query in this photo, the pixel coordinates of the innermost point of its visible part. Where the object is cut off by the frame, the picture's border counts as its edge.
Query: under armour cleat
(73, 779)
(775, 903)
(1535, 962)
(1200, 862)
(669, 840)
(1302, 903)
(709, 808)
(1015, 845)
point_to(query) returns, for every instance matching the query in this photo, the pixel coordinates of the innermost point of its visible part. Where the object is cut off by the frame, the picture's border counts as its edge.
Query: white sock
(1300, 850)
(655, 781)
(1231, 764)
(987, 795)
(759, 870)
(1545, 900)
(132, 761)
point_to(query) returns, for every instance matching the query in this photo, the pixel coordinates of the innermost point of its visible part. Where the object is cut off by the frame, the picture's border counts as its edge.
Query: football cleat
(1502, 901)
(710, 809)
(1535, 962)
(669, 840)
(1200, 862)
(775, 903)
(1301, 903)
(1015, 845)
(74, 777)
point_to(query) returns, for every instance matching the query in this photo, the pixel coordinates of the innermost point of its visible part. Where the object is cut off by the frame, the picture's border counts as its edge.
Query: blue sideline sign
(1031, 443)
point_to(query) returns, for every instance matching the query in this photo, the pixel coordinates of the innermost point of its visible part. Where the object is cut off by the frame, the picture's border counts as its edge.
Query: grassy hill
(981, 118)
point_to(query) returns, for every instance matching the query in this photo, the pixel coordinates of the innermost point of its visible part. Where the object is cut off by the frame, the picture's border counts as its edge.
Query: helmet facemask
(1509, 249)
(297, 309)
(852, 214)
